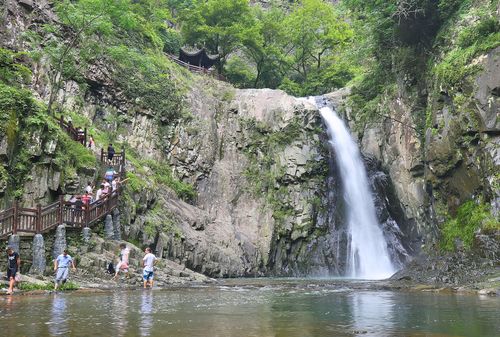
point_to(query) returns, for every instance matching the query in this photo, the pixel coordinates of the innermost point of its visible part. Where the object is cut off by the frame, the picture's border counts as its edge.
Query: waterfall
(367, 255)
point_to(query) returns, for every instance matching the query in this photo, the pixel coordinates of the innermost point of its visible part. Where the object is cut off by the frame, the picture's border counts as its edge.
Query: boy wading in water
(148, 263)
(13, 264)
(61, 267)
(123, 264)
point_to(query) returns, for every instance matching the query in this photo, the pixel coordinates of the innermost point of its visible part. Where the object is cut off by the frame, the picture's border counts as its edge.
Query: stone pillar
(116, 225)
(14, 241)
(39, 261)
(59, 241)
(108, 228)
(86, 233)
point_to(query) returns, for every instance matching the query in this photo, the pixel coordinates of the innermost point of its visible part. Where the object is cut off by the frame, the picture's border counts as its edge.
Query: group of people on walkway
(108, 186)
(64, 262)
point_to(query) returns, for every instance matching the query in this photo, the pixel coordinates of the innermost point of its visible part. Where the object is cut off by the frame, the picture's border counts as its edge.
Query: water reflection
(119, 312)
(372, 312)
(269, 310)
(146, 313)
(58, 324)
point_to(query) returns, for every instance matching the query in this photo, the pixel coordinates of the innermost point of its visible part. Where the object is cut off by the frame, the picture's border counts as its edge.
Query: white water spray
(367, 255)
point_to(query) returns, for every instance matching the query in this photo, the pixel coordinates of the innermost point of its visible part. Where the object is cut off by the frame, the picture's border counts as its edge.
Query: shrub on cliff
(470, 217)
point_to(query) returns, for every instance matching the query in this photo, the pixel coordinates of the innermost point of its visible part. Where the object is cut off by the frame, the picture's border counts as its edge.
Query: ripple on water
(289, 309)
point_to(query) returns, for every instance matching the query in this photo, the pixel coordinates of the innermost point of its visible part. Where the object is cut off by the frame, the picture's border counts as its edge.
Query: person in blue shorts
(61, 267)
(148, 263)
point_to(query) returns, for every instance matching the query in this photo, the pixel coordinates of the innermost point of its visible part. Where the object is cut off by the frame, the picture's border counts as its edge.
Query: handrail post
(38, 219)
(122, 169)
(85, 137)
(86, 216)
(16, 217)
(61, 210)
(102, 155)
(108, 203)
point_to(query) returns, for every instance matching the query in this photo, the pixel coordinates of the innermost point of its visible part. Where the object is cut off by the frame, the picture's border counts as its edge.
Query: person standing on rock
(61, 267)
(148, 262)
(13, 264)
(123, 263)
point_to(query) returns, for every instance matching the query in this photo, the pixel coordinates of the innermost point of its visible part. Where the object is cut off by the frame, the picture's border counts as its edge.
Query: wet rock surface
(474, 270)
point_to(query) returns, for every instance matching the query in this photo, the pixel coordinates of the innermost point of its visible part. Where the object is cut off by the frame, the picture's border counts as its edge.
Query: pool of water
(252, 308)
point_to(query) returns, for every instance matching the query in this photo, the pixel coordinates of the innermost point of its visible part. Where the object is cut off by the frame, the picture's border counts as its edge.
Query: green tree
(263, 46)
(218, 25)
(314, 31)
(75, 42)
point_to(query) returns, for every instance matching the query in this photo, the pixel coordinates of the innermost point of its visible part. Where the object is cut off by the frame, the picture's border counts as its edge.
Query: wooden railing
(118, 161)
(196, 69)
(77, 134)
(17, 219)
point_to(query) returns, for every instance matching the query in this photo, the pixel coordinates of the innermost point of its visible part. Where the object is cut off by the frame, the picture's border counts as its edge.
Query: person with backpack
(110, 174)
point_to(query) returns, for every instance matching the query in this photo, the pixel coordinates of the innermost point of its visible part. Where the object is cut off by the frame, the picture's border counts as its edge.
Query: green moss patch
(470, 217)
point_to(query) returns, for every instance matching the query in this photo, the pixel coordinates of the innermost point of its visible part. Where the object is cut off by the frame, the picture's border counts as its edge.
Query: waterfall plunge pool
(253, 307)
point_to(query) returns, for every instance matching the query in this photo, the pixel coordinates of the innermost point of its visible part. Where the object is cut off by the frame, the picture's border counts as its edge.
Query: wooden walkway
(23, 221)
(77, 134)
(20, 220)
(196, 69)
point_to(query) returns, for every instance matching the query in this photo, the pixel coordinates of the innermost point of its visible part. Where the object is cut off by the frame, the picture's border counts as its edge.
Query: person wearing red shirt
(86, 198)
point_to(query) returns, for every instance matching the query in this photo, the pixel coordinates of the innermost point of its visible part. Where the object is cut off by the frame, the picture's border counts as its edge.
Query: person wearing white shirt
(98, 194)
(148, 263)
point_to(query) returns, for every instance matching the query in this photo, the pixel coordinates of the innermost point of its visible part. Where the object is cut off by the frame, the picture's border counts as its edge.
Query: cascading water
(367, 256)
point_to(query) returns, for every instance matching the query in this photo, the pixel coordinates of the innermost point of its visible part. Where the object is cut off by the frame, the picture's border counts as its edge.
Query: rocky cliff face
(259, 168)
(457, 158)
(268, 199)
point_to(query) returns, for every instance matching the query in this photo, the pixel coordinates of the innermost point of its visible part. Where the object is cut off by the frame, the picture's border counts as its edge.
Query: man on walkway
(123, 263)
(61, 267)
(78, 210)
(148, 263)
(111, 152)
(13, 264)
